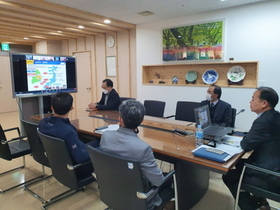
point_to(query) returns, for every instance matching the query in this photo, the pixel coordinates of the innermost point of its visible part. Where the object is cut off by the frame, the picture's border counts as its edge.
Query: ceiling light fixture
(25, 38)
(107, 21)
(81, 27)
(59, 31)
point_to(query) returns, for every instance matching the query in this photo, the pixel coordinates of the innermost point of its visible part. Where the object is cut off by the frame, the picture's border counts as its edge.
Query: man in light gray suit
(125, 142)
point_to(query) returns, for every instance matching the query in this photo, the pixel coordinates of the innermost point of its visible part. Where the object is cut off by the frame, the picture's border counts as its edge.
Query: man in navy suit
(220, 111)
(264, 140)
(110, 99)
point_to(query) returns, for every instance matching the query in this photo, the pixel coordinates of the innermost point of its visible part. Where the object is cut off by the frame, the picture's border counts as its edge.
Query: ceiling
(38, 20)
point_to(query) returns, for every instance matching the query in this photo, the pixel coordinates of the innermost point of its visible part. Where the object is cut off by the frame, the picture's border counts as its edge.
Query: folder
(212, 154)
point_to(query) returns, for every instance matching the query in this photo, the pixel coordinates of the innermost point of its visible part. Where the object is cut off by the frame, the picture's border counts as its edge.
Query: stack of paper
(111, 127)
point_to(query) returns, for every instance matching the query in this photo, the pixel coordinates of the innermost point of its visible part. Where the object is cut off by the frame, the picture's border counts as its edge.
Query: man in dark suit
(110, 99)
(220, 111)
(264, 140)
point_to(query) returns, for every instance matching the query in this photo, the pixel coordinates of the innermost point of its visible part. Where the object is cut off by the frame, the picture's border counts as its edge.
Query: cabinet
(163, 74)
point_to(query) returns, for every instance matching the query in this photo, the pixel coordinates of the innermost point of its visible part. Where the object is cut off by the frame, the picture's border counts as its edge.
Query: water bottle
(199, 136)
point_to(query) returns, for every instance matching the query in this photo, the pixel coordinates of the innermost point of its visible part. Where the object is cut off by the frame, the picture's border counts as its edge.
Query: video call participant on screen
(125, 142)
(220, 111)
(59, 126)
(264, 140)
(110, 99)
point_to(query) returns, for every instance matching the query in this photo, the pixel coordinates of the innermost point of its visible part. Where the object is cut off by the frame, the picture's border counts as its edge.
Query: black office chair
(38, 154)
(63, 168)
(154, 108)
(185, 111)
(257, 191)
(124, 99)
(14, 148)
(121, 183)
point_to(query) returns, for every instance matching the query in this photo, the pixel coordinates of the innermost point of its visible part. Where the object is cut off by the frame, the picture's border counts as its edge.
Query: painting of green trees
(194, 42)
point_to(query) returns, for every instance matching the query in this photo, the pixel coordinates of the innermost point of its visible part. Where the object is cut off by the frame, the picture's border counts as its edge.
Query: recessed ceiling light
(146, 13)
(59, 31)
(80, 26)
(26, 38)
(107, 21)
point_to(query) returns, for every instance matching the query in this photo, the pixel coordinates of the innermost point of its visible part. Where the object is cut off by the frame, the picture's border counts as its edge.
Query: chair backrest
(154, 108)
(233, 116)
(5, 152)
(185, 110)
(36, 145)
(124, 99)
(59, 156)
(118, 179)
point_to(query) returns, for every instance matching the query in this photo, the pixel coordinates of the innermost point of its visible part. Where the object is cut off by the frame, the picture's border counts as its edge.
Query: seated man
(110, 98)
(59, 126)
(263, 139)
(125, 142)
(220, 111)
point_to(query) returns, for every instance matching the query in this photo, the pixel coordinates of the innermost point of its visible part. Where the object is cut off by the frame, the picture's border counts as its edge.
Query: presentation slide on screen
(46, 74)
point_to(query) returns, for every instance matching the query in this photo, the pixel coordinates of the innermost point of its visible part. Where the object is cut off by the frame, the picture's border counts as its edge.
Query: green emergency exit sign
(5, 46)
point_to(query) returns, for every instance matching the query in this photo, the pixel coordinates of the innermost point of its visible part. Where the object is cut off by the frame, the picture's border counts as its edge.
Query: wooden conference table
(192, 173)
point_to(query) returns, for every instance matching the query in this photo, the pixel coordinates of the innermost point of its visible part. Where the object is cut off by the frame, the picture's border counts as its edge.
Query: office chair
(257, 191)
(124, 99)
(14, 148)
(121, 183)
(185, 111)
(63, 168)
(154, 108)
(38, 154)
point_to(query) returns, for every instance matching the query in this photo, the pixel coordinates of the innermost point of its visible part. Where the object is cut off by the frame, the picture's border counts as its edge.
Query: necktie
(106, 99)
(211, 105)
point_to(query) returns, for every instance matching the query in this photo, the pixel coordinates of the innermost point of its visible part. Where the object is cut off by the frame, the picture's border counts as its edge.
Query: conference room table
(192, 173)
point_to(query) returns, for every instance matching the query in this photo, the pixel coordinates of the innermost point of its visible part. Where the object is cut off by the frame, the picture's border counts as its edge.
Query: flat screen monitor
(39, 75)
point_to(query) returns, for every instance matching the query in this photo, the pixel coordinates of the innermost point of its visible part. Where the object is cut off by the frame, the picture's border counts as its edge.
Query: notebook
(211, 132)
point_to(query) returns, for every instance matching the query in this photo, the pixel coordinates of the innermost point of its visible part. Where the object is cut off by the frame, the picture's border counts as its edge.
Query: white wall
(251, 33)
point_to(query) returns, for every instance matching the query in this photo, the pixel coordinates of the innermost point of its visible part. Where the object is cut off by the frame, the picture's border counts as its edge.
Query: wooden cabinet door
(7, 102)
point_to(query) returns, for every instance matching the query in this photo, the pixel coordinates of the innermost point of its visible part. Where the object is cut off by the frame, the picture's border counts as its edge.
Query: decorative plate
(191, 76)
(210, 76)
(175, 80)
(236, 73)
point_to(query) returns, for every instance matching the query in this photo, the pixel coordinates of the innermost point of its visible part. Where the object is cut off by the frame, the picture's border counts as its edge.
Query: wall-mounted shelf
(168, 71)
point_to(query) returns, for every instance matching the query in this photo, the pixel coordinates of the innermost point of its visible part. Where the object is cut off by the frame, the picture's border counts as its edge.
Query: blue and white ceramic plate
(210, 76)
(175, 80)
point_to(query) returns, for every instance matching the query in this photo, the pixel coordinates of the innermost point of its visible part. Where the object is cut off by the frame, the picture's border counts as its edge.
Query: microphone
(241, 110)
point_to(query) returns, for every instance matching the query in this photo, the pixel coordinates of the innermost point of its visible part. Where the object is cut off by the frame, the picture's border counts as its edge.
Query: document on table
(231, 140)
(102, 129)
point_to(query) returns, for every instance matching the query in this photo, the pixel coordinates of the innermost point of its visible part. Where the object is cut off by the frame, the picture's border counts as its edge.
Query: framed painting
(193, 42)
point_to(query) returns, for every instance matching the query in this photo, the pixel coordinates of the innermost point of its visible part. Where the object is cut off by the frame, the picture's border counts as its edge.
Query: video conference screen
(35, 75)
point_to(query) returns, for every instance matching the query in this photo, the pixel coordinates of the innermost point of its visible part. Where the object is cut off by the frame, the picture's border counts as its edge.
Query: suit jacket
(125, 142)
(113, 101)
(264, 139)
(223, 113)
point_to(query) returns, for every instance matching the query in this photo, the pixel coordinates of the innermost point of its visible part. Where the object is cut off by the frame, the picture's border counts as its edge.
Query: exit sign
(5, 46)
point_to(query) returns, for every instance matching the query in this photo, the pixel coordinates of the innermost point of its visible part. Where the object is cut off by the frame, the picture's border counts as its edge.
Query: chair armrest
(142, 195)
(169, 116)
(11, 129)
(257, 168)
(13, 139)
(70, 167)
